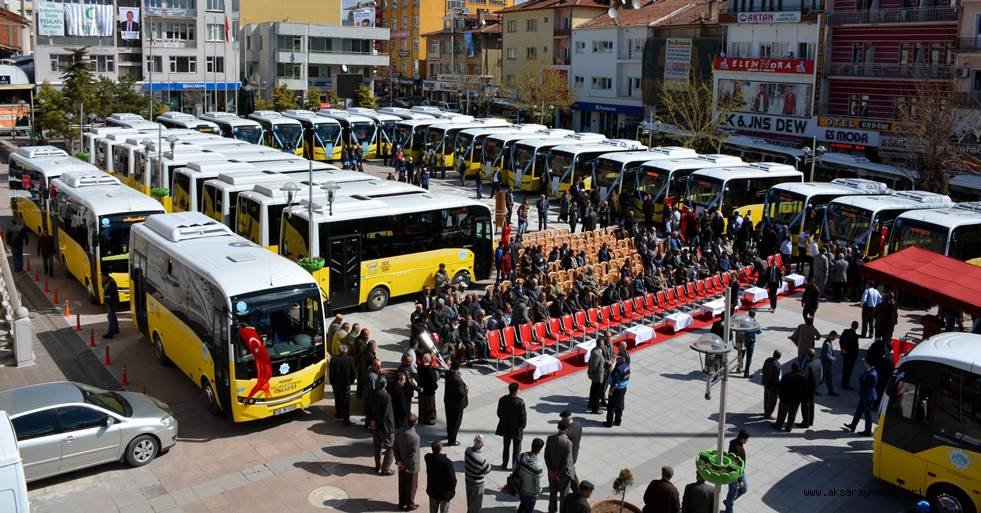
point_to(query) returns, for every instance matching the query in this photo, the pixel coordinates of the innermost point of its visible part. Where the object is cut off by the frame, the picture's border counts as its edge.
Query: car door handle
(68, 438)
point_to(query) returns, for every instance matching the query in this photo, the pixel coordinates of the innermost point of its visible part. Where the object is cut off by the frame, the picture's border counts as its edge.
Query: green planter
(82, 155)
(727, 472)
(159, 192)
(311, 264)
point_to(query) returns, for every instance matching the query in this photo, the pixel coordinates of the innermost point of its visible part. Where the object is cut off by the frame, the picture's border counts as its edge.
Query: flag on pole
(226, 29)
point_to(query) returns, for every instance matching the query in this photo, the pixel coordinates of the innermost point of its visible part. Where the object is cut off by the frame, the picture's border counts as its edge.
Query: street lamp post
(331, 188)
(813, 152)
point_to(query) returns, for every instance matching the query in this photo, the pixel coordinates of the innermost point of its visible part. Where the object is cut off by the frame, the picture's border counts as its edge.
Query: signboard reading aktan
(757, 64)
(769, 17)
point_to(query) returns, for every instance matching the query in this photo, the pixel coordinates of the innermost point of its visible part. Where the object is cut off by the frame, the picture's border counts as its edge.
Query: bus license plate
(285, 409)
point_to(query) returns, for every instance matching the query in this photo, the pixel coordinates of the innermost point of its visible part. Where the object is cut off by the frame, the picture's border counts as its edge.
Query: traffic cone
(46, 289)
(125, 379)
(92, 337)
(56, 297)
(37, 276)
(108, 360)
(28, 264)
(68, 309)
(78, 322)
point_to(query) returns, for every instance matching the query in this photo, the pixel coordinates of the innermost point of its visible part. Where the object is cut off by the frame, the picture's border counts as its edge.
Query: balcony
(561, 61)
(910, 71)
(175, 43)
(890, 16)
(561, 32)
(969, 44)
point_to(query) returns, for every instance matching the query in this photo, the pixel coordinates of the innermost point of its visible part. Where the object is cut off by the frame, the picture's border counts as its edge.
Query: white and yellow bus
(260, 210)
(799, 206)
(355, 130)
(126, 120)
(842, 165)
(928, 440)
(93, 213)
(90, 139)
(469, 147)
(163, 167)
(219, 196)
(378, 248)
(737, 189)
(529, 158)
(665, 180)
(441, 137)
(31, 171)
(403, 113)
(321, 135)
(105, 156)
(568, 163)
(865, 221)
(497, 148)
(152, 147)
(752, 149)
(175, 119)
(954, 231)
(189, 180)
(244, 324)
(410, 136)
(128, 155)
(232, 126)
(964, 187)
(385, 128)
(280, 132)
(617, 172)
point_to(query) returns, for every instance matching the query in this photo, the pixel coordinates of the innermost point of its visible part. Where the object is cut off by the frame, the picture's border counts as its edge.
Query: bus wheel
(210, 397)
(949, 499)
(158, 350)
(462, 277)
(377, 299)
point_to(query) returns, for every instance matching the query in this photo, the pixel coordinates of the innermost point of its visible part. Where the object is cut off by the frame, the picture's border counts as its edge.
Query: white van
(13, 486)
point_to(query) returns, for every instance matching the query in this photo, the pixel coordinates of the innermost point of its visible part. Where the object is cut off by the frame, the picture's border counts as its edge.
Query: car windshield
(847, 222)
(704, 192)
(289, 321)
(606, 173)
(785, 207)
(252, 134)
(106, 399)
(327, 133)
(114, 240)
(288, 135)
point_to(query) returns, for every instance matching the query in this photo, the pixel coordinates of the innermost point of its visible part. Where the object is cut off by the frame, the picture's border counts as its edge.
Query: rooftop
(534, 5)
(654, 13)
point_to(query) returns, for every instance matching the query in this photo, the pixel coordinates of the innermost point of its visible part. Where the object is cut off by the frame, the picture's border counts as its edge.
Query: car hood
(145, 406)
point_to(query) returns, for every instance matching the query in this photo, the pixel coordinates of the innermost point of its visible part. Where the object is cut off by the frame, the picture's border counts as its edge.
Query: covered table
(678, 321)
(795, 280)
(543, 365)
(713, 307)
(585, 348)
(639, 334)
(754, 295)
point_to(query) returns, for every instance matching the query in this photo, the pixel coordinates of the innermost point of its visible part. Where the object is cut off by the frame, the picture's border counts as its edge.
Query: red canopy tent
(934, 277)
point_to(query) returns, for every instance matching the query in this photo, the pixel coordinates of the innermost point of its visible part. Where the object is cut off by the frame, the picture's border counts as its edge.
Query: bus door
(344, 260)
(218, 347)
(137, 284)
(484, 249)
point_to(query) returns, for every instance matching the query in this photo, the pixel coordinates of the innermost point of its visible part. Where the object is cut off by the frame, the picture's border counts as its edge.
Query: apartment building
(463, 60)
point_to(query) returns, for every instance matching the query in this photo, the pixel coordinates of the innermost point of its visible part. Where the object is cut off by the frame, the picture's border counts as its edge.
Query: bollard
(78, 322)
(108, 360)
(125, 379)
(68, 310)
(92, 337)
(55, 301)
(46, 289)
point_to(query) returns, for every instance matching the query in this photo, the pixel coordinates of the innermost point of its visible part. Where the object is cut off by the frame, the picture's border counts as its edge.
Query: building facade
(181, 50)
(463, 61)
(302, 55)
(14, 34)
(968, 54)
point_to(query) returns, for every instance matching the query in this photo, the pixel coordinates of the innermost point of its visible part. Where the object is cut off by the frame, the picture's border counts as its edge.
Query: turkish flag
(263, 364)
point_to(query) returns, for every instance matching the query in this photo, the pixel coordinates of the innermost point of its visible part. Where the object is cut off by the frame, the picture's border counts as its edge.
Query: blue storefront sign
(194, 86)
(604, 107)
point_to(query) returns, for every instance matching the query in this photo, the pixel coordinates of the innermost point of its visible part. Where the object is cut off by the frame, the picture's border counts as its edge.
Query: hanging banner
(756, 64)
(357, 13)
(364, 18)
(677, 61)
(50, 19)
(774, 98)
(89, 20)
(129, 23)
(468, 40)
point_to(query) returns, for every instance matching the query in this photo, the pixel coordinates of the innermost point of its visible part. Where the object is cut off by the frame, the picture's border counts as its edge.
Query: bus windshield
(402, 135)
(523, 157)
(114, 240)
(363, 131)
(493, 148)
(288, 321)
(785, 207)
(704, 192)
(847, 222)
(560, 163)
(327, 133)
(418, 136)
(908, 232)
(388, 129)
(251, 134)
(288, 135)
(606, 173)
(463, 146)
(434, 139)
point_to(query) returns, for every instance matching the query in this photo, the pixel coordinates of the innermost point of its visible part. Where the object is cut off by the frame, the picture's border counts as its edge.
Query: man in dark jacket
(661, 495)
(46, 248)
(342, 375)
(381, 422)
(406, 450)
(774, 278)
(699, 497)
(454, 402)
(812, 374)
(771, 384)
(428, 383)
(561, 468)
(578, 500)
(574, 433)
(792, 389)
(810, 298)
(401, 404)
(848, 344)
(110, 296)
(867, 395)
(440, 479)
(512, 417)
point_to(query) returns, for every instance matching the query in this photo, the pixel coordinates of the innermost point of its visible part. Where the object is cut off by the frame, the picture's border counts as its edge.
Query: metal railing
(561, 31)
(916, 15)
(914, 71)
(561, 61)
(14, 314)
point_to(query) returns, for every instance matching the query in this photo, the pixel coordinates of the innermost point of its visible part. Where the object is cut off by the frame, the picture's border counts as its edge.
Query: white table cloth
(585, 348)
(640, 334)
(754, 295)
(678, 321)
(543, 365)
(798, 280)
(714, 307)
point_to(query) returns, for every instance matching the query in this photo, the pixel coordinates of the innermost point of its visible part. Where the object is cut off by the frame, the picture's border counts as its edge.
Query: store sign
(775, 124)
(403, 53)
(677, 63)
(4, 79)
(844, 136)
(769, 17)
(399, 34)
(857, 123)
(754, 65)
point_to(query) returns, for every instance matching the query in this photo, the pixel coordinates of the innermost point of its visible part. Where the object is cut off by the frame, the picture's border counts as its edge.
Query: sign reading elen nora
(769, 17)
(757, 64)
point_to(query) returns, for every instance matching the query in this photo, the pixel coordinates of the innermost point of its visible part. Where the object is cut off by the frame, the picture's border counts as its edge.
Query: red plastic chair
(509, 337)
(539, 332)
(640, 307)
(582, 322)
(527, 338)
(593, 315)
(569, 326)
(494, 348)
(607, 313)
(630, 313)
(557, 332)
(616, 316)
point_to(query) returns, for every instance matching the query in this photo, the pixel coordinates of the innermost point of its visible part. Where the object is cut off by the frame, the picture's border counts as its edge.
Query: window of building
(215, 32)
(179, 64)
(214, 64)
(766, 50)
(405, 4)
(405, 44)
(578, 81)
(405, 23)
(512, 25)
(858, 105)
(168, 4)
(321, 44)
(532, 53)
(861, 53)
(215, 5)
(415, 21)
(602, 83)
(172, 31)
(60, 61)
(103, 63)
(740, 49)
(531, 25)
(512, 54)
(602, 46)
(806, 51)
(415, 44)
(154, 64)
(580, 47)
(318, 71)
(289, 70)
(248, 42)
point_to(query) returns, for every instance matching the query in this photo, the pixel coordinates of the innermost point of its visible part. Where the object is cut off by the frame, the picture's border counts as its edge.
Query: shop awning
(934, 277)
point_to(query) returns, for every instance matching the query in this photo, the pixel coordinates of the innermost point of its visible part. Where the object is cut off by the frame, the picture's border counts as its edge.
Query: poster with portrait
(129, 23)
(770, 98)
(357, 13)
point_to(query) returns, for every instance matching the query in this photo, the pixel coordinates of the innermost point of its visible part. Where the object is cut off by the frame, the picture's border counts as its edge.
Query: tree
(623, 481)
(263, 104)
(312, 101)
(690, 108)
(363, 97)
(283, 98)
(49, 112)
(540, 90)
(332, 99)
(78, 87)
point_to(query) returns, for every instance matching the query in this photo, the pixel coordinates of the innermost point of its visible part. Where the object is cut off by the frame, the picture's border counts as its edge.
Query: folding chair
(540, 335)
(569, 326)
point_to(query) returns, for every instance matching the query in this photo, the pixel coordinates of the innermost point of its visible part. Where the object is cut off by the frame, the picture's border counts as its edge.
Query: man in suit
(804, 337)
(440, 479)
(561, 468)
(342, 374)
(867, 395)
(406, 450)
(774, 277)
(574, 433)
(331, 329)
(661, 495)
(771, 383)
(699, 497)
(828, 357)
(512, 418)
(792, 389)
(596, 372)
(381, 422)
(813, 374)
(848, 344)
(454, 401)
(130, 25)
(578, 500)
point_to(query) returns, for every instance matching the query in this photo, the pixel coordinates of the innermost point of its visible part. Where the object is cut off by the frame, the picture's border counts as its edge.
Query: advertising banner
(89, 20)
(129, 23)
(364, 18)
(677, 61)
(769, 17)
(773, 98)
(752, 64)
(50, 19)
(357, 13)
(468, 40)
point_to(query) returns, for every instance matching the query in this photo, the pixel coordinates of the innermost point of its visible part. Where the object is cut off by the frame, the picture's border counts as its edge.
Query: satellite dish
(344, 68)
(636, 4)
(613, 12)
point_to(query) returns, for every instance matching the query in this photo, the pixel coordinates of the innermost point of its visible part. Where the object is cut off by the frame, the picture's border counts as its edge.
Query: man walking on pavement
(812, 374)
(529, 469)
(440, 479)
(619, 379)
(454, 402)
(46, 248)
(828, 357)
(596, 372)
(15, 238)
(771, 384)
(542, 206)
(699, 497)
(406, 451)
(561, 468)
(574, 433)
(792, 389)
(849, 352)
(381, 423)
(661, 495)
(740, 486)
(578, 500)
(774, 278)
(870, 300)
(512, 417)
(804, 337)
(867, 395)
(749, 345)
(342, 375)
(475, 469)
(110, 296)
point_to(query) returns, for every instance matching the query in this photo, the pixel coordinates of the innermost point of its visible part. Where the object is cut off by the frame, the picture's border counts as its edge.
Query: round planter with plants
(718, 472)
(311, 264)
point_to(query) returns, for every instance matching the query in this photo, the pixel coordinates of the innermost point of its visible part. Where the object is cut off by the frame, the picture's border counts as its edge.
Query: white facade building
(605, 76)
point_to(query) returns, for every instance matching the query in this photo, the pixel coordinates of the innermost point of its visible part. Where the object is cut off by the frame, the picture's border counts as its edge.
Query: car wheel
(949, 499)
(377, 299)
(158, 350)
(462, 277)
(141, 450)
(211, 398)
